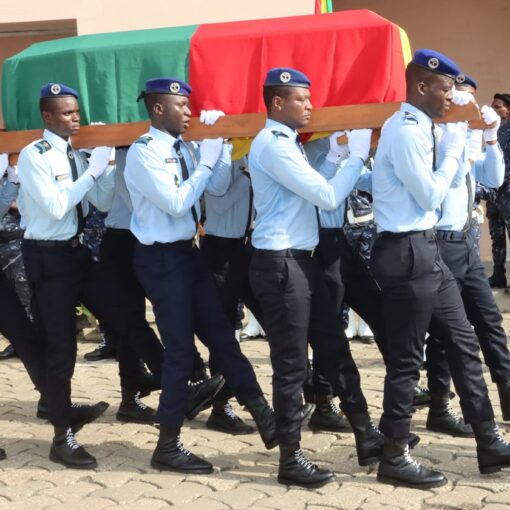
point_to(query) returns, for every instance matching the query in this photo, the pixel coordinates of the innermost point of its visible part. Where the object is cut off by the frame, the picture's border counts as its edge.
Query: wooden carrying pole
(334, 118)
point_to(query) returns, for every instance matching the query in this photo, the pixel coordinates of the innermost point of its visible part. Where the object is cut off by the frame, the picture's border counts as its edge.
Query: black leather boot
(442, 418)
(8, 353)
(498, 278)
(263, 415)
(296, 469)
(327, 416)
(504, 399)
(201, 393)
(223, 419)
(170, 455)
(493, 452)
(369, 441)
(81, 414)
(65, 450)
(421, 397)
(133, 410)
(398, 468)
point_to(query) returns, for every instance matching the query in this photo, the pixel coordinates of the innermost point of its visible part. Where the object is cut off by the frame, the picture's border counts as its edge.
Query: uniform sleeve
(101, 195)
(237, 191)
(490, 170)
(412, 166)
(283, 160)
(120, 182)
(220, 179)
(36, 178)
(145, 173)
(8, 194)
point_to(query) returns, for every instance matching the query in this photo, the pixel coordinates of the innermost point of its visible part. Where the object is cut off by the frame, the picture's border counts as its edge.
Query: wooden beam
(236, 126)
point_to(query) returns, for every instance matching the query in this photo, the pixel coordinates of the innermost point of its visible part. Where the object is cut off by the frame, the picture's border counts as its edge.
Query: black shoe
(398, 468)
(327, 416)
(8, 353)
(504, 399)
(201, 393)
(498, 279)
(81, 414)
(223, 419)
(148, 383)
(263, 415)
(369, 441)
(442, 418)
(133, 410)
(306, 412)
(3, 455)
(102, 351)
(492, 451)
(296, 469)
(66, 451)
(170, 455)
(421, 397)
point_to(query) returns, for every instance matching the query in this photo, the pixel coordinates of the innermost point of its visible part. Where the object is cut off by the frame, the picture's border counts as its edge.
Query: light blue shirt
(407, 192)
(227, 215)
(119, 215)
(489, 170)
(316, 152)
(8, 194)
(287, 189)
(48, 195)
(162, 200)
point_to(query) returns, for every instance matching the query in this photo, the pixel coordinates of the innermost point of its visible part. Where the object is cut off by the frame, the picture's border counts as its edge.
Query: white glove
(210, 151)
(491, 118)
(4, 163)
(209, 117)
(461, 97)
(97, 124)
(99, 159)
(12, 174)
(475, 145)
(337, 152)
(359, 143)
(453, 141)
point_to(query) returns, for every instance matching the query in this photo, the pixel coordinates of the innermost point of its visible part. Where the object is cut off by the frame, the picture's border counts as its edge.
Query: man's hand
(12, 174)
(359, 142)
(209, 117)
(492, 119)
(99, 160)
(461, 97)
(337, 152)
(210, 151)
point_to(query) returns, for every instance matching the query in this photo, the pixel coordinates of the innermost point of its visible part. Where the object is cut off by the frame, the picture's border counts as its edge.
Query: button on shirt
(287, 189)
(48, 194)
(407, 191)
(162, 201)
(227, 215)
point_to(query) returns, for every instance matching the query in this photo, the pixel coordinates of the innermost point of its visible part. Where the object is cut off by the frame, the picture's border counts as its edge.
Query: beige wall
(96, 16)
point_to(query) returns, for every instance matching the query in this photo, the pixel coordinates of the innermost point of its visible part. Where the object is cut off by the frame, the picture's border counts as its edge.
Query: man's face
(502, 109)
(296, 107)
(175, 113)
(63, 117)
(438, 94)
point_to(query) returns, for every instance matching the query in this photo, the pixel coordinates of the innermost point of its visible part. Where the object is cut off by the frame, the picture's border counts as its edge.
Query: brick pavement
(244, 476)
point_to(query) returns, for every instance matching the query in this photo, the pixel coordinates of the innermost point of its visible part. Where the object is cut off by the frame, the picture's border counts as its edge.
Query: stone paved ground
(244, 477)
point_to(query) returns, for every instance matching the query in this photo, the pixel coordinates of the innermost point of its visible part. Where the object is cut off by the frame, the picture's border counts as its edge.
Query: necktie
(433, 130)
(302, 149)
(185, 175)
(74, 173)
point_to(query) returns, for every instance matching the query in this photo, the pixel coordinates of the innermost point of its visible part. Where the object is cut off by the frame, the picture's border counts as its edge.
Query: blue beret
(58, 90)
(167, 86)
(285, 76)
(437, 63)
(468, 80)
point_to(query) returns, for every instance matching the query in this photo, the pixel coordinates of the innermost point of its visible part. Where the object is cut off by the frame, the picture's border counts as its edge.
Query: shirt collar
(422, 116)
(56, 141)
(273, 124)
(165, 138)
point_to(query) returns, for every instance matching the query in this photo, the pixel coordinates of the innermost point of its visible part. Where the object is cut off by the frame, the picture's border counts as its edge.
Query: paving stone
(468, 498)
(500, 497)
(185, 492)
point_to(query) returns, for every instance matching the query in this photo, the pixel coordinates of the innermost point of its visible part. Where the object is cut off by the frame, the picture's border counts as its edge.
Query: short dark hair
(45, 102)
(270, 92)
(503, 97)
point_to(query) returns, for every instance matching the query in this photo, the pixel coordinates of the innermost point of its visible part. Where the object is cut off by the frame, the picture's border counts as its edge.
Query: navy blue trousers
(185, 301)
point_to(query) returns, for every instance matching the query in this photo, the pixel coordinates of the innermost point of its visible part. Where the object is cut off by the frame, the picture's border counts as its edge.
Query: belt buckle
(75, 241)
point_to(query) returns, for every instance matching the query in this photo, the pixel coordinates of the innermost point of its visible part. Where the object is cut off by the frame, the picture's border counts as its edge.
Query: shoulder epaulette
(279, 134)
(145, 139)
(410, 118)
(42, 146)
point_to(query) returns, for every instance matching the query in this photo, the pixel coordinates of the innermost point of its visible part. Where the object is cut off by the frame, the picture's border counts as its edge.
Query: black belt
(289, 253)
(451, 235)
(429, 234)
(187, 243)
(74, 242)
